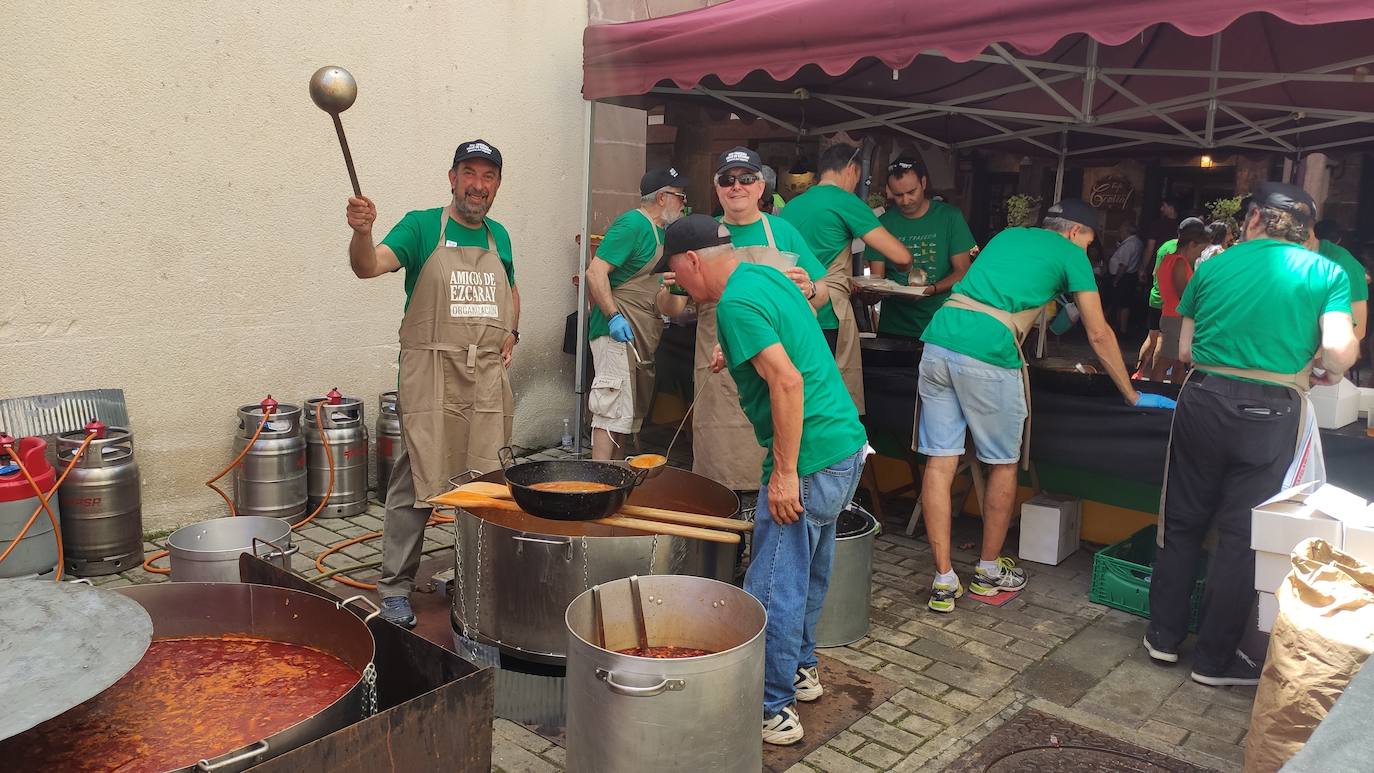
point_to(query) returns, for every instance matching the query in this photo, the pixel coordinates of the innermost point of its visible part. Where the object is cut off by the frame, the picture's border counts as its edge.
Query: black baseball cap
(739, 157)
(1287, 198)
(1075, 211)
(654, 179)
(477, 149)
(694, 232)
(1191, 224)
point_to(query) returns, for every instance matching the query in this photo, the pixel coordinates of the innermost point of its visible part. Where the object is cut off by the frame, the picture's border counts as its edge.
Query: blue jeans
(789, 572)
(959, 392)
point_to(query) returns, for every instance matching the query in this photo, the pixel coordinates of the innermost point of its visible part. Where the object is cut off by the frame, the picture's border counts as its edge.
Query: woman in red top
(1174, 272)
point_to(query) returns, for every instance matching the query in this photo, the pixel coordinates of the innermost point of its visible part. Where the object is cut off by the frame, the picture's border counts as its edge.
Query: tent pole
(583, 258)
(1059, 173)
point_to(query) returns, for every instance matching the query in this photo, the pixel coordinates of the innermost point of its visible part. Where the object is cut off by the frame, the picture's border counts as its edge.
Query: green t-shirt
(830, 219)
(1257, 305)
(1019, 269)
(785, 238)
(932, 238)
(759, 309)
(628, 245)
(415, 237)
(1359, 289)
(1165, 249)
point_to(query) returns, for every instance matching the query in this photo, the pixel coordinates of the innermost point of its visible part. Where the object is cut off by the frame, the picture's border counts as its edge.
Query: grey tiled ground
(962, 674)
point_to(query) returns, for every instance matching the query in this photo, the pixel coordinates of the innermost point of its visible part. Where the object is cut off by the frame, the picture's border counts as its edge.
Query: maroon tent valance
(779, 37)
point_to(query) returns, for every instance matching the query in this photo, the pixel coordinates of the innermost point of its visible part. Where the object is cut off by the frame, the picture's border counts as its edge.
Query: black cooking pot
(565, 505)
(890, 352)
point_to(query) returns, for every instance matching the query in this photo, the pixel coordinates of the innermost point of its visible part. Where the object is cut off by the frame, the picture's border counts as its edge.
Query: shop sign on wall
(1113, 193)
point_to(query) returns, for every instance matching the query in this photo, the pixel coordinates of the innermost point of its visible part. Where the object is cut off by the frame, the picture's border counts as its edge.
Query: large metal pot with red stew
(665, 674)
(236, 674)
(516, 573)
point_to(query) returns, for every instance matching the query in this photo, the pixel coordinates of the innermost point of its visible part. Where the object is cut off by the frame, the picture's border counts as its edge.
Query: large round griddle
(62, 644)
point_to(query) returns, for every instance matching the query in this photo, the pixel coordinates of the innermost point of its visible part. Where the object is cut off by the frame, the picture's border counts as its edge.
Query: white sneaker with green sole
(1010, 579)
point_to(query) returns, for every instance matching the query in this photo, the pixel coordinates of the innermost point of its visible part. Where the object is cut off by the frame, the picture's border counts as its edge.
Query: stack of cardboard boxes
(1343, 519)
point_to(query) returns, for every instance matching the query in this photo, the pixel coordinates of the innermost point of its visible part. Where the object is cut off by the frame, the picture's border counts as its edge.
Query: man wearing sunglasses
(723, 444)
(940, 245)
(622, 286)
(831, 217)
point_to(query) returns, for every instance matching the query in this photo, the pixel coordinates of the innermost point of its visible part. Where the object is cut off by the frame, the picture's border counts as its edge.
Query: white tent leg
(584, 251)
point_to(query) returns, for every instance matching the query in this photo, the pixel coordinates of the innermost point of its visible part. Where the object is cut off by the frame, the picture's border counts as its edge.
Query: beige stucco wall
(173, 202)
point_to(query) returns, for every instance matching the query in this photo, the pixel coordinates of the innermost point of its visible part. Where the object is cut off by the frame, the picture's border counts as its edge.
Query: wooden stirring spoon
(470, 499)
(498, 491)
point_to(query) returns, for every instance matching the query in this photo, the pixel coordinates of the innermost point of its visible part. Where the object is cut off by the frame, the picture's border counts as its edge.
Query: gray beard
(670, 219)
(472, 215)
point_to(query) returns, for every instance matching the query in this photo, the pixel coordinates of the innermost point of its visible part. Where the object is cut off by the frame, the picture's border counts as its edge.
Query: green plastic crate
(1121, 576)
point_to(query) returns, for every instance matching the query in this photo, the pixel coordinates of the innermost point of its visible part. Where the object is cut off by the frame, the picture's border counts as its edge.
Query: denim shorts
(959, 392)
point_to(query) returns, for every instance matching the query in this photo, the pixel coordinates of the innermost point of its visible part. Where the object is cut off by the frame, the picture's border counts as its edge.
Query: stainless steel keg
(345, 432)
(102, 505)
(389, 441)
(270, 480)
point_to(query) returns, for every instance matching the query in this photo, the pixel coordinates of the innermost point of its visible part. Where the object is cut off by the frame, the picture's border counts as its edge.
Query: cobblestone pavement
(963, 674)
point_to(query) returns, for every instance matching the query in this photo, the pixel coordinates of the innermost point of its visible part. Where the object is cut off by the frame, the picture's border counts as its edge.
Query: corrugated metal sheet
(50, 415)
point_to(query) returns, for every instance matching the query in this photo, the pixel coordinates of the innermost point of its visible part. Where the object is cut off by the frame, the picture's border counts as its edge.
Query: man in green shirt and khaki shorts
(1252, 318)
(972, 382)
(936, 236)
(790, 390)
(622, 287)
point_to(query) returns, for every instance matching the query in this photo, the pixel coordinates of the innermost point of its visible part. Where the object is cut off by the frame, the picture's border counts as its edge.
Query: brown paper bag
(1324, 632)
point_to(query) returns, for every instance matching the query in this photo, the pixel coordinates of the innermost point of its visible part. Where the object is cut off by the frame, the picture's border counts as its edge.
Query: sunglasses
(682, 196)
(729, 180)
(900, 165)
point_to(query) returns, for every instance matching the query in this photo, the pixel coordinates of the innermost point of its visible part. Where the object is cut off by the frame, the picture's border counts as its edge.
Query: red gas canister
(36, 553)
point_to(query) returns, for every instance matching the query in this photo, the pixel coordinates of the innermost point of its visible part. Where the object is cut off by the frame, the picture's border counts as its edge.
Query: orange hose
(434, 520)
(329, 457)
(148, 563)
(43, 503)
(211, 482)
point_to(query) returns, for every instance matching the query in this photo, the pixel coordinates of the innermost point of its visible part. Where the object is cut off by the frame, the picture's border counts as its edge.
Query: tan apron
(455, 398)
(724, 447)
(635, 299)
(1019, 324)
(1300, 382)
(847, 353)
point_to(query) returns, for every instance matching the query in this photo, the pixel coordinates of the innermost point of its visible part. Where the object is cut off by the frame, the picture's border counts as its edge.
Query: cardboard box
(1366, 400)
(1337, 405)
(1309, 510)
(1268, 611)
(1050, 524)
(1359, 538)
(1270, 569)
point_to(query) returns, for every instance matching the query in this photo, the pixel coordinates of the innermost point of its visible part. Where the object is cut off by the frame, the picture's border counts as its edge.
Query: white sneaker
(807, 684)
(783, 728)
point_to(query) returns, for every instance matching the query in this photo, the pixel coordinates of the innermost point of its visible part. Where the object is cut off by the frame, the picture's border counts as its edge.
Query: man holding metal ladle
(460, 326)
(791, 391)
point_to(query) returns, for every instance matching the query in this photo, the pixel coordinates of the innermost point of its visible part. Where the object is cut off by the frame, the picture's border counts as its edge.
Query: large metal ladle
(333, 90)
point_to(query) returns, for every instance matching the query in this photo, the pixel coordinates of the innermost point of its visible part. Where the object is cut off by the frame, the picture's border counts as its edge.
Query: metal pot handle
(281, 552)
(467, 476)
(666, 685)
(506, 457)
(376, 610)
(640, 474)
(566, 542)
(259, 748)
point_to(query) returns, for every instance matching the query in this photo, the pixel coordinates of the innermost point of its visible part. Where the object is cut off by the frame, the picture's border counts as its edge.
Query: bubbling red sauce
(186, 700)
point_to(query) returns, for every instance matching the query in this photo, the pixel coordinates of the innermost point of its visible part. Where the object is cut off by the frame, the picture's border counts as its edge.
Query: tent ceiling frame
(1252, 132)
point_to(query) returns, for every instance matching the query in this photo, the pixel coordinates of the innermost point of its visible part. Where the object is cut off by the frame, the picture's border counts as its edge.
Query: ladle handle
(348, 157)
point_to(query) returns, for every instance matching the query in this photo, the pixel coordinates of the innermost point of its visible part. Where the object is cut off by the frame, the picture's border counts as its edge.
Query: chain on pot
(585, 582)
(459, 576)
(653, 551)
(369, 690)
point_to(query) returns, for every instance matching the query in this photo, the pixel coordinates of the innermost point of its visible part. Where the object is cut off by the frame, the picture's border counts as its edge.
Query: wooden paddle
(498, 491)
(469, 499)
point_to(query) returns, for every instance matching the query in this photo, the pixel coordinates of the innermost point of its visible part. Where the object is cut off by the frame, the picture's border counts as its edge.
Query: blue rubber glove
(620, 329)
(1155, 401)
